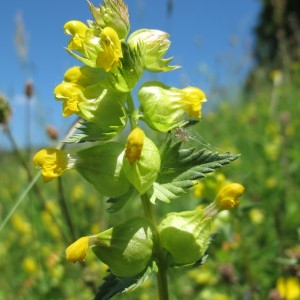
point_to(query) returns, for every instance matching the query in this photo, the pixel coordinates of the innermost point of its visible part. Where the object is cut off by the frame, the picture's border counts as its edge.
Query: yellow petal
(111, 49)
(227, 198)
(77, 250)
(134, 146)
(52, 161)
(193, 99)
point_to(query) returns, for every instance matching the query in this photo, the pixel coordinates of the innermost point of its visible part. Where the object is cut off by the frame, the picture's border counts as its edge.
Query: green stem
(162, 280)
(131, 112)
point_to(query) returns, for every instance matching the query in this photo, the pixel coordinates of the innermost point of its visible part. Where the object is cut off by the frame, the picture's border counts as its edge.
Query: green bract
(102, 167)
(104, 108)
(112, 14)
(161, 106)
(185, 235)
(125, 248)
(143, 172)
(152, 44)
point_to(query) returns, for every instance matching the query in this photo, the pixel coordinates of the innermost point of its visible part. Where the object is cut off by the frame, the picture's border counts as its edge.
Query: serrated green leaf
(91, 132)
(181, 167)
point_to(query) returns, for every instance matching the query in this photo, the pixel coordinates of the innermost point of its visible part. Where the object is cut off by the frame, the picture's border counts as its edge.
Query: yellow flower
(70, 93)
(29, 265)
(226, 199)
(76, 29)
(111, 50)
(193, 99)
(52, 161)
(77, 250)
(289, 288)
(134, 146)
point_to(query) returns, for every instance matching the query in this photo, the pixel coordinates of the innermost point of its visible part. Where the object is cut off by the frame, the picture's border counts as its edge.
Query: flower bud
(5, 111)
(185, 235)
(112, 14)
(52, 132)
(53, 162)
(29, 89)
(125, 248)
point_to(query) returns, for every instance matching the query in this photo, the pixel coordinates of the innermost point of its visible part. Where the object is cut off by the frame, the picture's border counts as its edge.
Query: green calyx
(152, 44)
(125, 248)
(185, 235)
(161, 106)
(143, 172)
(101, 165)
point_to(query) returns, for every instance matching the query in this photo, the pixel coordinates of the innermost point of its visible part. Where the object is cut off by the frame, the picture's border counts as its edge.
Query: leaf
(91, 132)
(114, 285)
(118, 202)
(181, 167)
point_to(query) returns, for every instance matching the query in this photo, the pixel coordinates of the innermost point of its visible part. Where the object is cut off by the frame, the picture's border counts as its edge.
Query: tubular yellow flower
(111, 50)
(134, 146)
(52, 161)
(76, 29)
(226, 199)
(69, 93)
(193, 99)
(77, 250)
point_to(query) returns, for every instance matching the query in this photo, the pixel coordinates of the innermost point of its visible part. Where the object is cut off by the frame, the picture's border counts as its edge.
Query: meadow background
(256, 251)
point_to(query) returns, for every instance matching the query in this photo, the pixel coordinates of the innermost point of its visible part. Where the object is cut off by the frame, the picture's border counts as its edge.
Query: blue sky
(211, 40)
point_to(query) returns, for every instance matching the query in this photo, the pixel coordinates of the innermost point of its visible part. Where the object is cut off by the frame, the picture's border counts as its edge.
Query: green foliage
(182, 167)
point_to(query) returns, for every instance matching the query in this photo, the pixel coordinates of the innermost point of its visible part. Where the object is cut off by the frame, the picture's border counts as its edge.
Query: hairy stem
(162, 280)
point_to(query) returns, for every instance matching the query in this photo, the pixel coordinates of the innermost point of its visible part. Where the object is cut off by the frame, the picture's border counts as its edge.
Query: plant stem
(131, 112)
(162, 280)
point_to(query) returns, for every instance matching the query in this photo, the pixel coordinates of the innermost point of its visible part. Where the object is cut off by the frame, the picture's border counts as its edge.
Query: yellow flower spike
(134, 146)
(77, 250)
(69, 93)
(227, 198)
(111, 50)
(52, 161)
(76, 29)
(193, 99)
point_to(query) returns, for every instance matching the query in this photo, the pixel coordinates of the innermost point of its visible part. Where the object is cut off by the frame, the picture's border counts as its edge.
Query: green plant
(100, 94)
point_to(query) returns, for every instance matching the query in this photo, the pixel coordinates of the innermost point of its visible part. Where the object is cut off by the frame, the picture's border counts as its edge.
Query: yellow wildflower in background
(288, 288)
(29, 265)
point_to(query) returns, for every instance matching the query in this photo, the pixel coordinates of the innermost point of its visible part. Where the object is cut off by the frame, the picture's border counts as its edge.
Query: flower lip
(53, 162)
